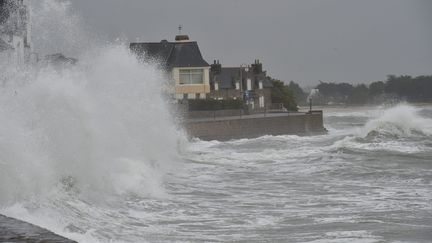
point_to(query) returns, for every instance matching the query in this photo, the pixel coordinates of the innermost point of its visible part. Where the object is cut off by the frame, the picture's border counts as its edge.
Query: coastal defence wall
(251, 126)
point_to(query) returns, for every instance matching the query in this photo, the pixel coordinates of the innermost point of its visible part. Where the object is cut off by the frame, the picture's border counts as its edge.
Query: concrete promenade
(13, 230)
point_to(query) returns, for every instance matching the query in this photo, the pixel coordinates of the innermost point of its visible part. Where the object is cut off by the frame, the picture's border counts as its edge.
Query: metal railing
(241, 114)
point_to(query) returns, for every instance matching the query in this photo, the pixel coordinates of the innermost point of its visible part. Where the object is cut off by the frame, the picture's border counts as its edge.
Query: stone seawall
(256, 125)
(13, 230)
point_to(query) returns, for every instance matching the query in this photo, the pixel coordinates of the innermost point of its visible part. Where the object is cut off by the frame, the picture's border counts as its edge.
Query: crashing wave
(401, 121)
(102, 126)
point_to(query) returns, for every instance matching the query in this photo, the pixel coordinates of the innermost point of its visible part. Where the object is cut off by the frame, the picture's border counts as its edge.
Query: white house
(183, 61)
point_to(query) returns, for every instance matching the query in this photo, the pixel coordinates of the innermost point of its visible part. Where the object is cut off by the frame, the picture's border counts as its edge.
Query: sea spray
(57, 28)
(402, 120)
(390, 129)
(79, 141)
(102, 126)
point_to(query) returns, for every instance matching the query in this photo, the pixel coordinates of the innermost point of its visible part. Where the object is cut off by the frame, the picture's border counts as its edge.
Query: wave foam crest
(400, 121)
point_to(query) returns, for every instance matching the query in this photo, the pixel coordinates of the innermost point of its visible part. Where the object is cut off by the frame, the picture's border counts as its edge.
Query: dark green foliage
(299, 95)
(282, 94)
(359, 95)
(343, 93)
(335, 92)
(376, 88)
(418, 89)
(412, 89)
(341, 90)
(212, 105)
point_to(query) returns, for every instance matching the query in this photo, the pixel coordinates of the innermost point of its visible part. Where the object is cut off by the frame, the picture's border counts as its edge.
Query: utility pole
(310, 105)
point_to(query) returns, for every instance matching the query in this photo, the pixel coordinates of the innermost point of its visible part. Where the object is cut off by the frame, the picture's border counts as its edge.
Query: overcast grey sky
(300, 40)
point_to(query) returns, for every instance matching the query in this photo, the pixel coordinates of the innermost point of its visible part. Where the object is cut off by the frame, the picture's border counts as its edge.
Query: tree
(359, 95)
(418, 89)
(335, 92)
(299, 95)
(281, 93)
(399, 85)
(376, 88)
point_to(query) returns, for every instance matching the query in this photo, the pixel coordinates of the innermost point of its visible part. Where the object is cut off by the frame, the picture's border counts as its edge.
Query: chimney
(180, 37)
(257, 67)
(216, 67)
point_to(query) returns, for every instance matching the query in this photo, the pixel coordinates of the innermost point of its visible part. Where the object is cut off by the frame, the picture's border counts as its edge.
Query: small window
(261, 101)
(249, 84)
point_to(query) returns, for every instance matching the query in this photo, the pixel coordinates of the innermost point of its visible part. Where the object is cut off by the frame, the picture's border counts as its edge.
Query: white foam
(104, 124)
(402, 120)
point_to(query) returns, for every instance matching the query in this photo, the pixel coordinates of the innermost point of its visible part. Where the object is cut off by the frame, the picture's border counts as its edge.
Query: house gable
(183, 61)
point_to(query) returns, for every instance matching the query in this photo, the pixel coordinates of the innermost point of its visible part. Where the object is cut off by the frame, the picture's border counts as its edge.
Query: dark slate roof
(171, 54)
(160, 51)
(5, 46)
(229, 75)
(187, 54)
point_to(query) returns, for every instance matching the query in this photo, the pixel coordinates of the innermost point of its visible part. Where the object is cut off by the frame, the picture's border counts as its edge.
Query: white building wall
(191, 89)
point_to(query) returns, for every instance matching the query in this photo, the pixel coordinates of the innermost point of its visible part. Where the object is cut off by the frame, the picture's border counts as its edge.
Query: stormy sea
(89, 165)
(93, 152)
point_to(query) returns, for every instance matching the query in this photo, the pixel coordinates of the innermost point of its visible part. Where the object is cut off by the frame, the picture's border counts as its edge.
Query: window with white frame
(261, 101)
(191, 76)
(249, 84)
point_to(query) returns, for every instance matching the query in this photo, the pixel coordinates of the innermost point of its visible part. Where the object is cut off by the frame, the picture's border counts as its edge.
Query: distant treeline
(394, 89)
(413, 89)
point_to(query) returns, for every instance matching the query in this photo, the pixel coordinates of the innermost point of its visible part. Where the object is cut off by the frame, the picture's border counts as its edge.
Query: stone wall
(256, 125)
